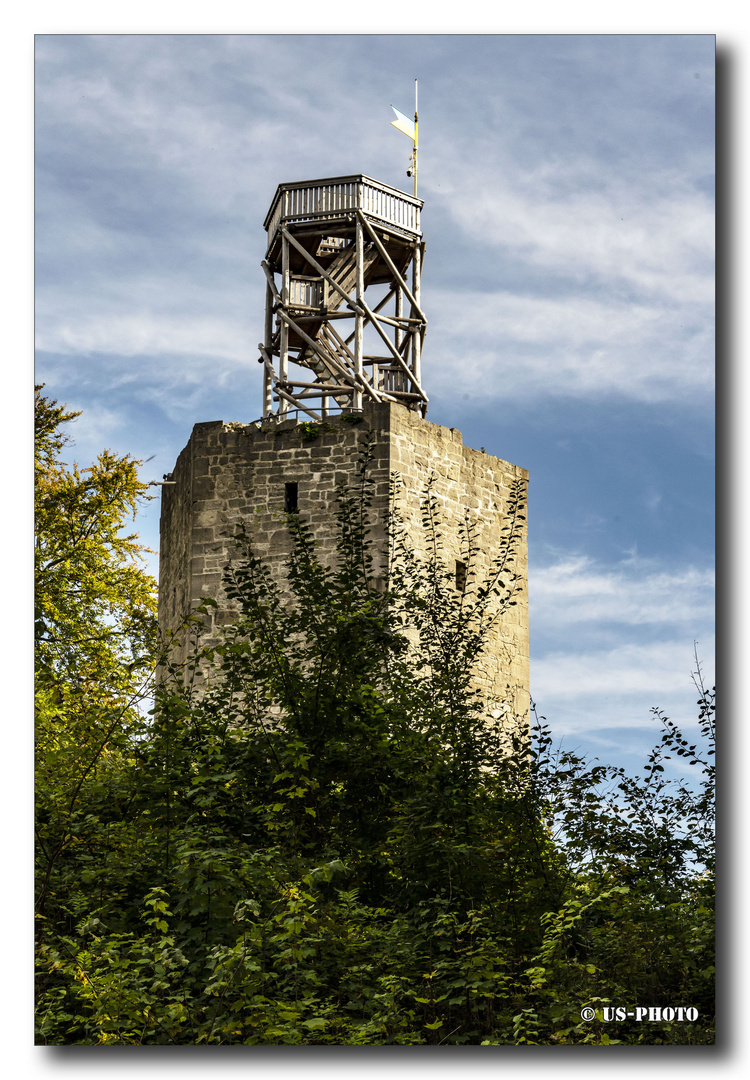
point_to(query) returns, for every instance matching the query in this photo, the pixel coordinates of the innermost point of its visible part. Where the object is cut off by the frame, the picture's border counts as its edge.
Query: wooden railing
(318, 200)
(393, 380)
(306, 292)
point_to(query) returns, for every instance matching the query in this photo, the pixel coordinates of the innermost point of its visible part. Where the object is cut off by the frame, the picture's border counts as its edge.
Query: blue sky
(568, 285)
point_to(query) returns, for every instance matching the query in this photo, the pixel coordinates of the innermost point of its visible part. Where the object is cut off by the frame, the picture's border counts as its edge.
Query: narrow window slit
(460, 576)
(290, 498)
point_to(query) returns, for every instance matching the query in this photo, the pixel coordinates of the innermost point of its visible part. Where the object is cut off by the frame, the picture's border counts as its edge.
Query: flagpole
(416, 117)
(404, 124)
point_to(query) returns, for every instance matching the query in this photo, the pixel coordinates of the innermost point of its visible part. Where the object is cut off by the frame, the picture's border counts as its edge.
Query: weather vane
(409, 127)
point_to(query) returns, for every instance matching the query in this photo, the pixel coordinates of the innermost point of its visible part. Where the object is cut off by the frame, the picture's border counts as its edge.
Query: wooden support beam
(402, 324)
(288, 398)
(393, 394)
(310, 394)
(270, 279)
(316, 314)
(330, 363)
(372, 388)
(381, 304)
(268, 366)
(268, 372)
(416, 352)
(340, 341)
(359, 293)
(395, 353)
(391, 265)
(284, 330)
(328, 388)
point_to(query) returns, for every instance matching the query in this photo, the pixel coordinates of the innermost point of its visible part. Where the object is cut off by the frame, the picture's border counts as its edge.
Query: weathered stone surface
(229, 473)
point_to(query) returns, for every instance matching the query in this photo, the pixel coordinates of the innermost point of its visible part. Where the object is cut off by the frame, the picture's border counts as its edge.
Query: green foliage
(319, 838)
(309, 430)
(94, 605)
(95, 632)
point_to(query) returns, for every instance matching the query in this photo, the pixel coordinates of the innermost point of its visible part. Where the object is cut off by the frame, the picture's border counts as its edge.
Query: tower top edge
(374, 416)
(354, 178)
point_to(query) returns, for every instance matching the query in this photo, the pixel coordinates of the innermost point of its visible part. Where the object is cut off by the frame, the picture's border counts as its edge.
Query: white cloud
(578, 590)
(657, 237)
(523, 346)
(622, 265)
(630, 632)
(149, 335)
(575, 320)
(631, 671)
(92, 431)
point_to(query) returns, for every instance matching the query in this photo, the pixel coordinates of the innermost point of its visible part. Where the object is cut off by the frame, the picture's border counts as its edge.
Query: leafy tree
(95, 605)
(95, 632)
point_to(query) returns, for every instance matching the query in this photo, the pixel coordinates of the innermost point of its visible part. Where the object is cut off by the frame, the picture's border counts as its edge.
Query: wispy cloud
(630, 633)
(523, 346)
(622, 272)
(192, 338)
(652, 237)
(577, 589)
(655, 672)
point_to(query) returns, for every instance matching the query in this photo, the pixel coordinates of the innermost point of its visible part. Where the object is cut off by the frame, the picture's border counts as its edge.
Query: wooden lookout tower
(344, 330)
(344, 324)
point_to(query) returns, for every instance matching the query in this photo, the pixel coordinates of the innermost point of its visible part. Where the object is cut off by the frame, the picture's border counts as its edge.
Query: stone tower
(325, 391)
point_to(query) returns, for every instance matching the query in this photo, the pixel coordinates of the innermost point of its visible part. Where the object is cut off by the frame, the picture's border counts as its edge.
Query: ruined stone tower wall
(468, 480)
(230, 472)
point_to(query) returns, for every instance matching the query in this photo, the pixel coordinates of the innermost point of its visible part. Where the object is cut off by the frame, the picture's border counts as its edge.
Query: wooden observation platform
(343, 322)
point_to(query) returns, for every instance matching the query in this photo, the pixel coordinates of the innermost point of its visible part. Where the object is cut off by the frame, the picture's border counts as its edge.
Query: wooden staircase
(343, 270)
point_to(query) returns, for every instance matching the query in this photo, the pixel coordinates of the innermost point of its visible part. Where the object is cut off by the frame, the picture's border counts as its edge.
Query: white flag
(403, 123)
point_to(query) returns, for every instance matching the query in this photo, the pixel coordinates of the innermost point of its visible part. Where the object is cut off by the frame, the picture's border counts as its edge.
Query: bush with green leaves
(317, 837)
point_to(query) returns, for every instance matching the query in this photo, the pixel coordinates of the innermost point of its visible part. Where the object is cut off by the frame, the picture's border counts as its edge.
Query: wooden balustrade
(316, 200)
(306, 292)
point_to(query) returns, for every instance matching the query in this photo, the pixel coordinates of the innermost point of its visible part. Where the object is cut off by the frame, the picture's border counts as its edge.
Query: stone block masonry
(229, 473)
